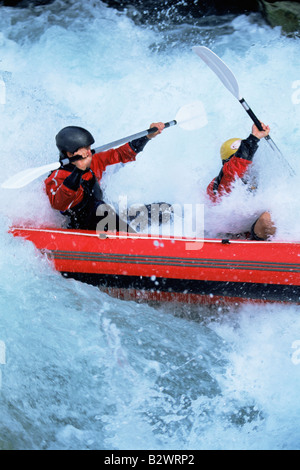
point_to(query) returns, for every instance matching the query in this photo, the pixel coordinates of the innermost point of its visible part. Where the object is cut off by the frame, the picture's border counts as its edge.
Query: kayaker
(237, 156)
(74, 188)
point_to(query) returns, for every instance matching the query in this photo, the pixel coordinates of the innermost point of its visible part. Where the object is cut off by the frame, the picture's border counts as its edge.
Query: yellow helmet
(229, 148)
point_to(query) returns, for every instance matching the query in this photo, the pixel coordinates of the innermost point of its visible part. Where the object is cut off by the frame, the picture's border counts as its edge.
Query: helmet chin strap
(227, 160)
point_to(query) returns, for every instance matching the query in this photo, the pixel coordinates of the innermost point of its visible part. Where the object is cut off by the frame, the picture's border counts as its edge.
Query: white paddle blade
(192, 116)
(221, 70)
(27, 176)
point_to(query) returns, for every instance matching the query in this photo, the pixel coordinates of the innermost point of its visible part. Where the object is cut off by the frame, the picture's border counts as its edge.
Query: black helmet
(72, 138)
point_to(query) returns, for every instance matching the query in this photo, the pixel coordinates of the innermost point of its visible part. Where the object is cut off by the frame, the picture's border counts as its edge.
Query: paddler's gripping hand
(138, 145)
(261, 134)
(159, 126)
(85, 155)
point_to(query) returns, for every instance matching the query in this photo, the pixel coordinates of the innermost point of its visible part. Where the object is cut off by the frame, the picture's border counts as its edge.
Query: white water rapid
(80, 369)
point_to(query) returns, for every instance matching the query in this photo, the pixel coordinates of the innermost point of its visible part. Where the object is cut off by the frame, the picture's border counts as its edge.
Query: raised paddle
(229, 81)
(189, 117)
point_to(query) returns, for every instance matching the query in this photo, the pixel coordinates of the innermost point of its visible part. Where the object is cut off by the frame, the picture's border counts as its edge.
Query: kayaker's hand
(160, 126)
(260, 134)
(86, 154)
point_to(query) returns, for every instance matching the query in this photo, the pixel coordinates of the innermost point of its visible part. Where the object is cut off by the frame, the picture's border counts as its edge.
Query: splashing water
(82, 370)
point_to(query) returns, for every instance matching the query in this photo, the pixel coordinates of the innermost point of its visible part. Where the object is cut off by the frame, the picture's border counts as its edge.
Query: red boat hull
(173, 267)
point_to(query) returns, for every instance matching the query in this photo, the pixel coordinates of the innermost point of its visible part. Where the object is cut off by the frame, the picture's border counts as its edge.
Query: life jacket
(80, 202)
(83, 215)
(233, 168)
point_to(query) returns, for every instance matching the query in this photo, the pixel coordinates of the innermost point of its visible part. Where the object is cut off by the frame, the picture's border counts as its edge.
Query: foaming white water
(112, 84)
(84, 370)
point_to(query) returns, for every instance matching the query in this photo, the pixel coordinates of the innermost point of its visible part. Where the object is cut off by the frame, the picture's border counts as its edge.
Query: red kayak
(168, 268)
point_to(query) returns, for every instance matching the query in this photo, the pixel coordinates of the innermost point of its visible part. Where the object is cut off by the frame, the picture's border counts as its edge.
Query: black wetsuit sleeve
(138, 145)
(73, 180)
(248, 148)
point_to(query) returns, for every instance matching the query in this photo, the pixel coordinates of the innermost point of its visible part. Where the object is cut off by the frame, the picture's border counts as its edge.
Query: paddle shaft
(124, 140)
(229, 81)
(268, 138)
(253, 117)
(193, 113)
(27, 176)
(251, 114)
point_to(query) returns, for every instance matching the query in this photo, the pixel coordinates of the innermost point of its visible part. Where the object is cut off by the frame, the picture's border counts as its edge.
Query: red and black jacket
(77, 193)
(233, 168)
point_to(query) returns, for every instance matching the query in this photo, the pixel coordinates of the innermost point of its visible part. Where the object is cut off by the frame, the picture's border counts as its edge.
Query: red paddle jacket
(65, 187)
(233, 168)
